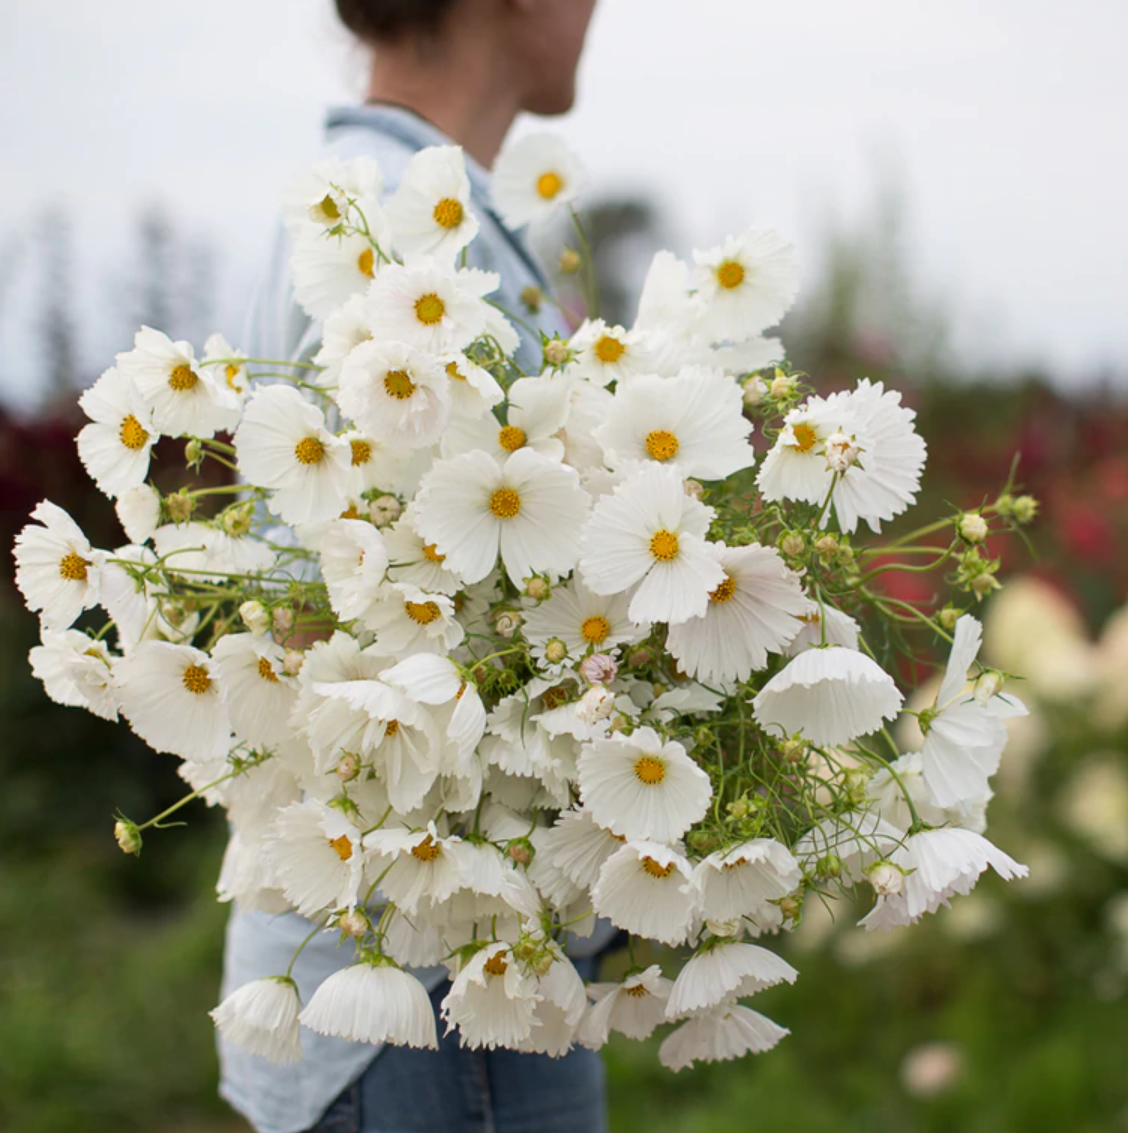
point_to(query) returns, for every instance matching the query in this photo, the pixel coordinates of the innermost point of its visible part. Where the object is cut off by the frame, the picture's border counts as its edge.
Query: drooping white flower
(605, 354)
(262, 1018)
(76, 671)
(283, 444)
(530, 511)
(693, 422)
(422, 866)
(406, 619)
(644, 887)
(641, 788)
(745, 880)
(227, 365)
(650, 535)
(173, 698)
(747, 284)
(395, 393)
(558, 1013)
(139, 512)
(373, 1003)
(823, 625)
(259, 693)
(533, 177)
(414, 561)
(753, 612)
(328, 193)
(57, 571)
(633, 1008)
(473, 390)
(831, 695)
(727, 1032)
(492, 1000)
(430, 212)
(577, 846)
(725, 971)
(114, 447)
(354, 563)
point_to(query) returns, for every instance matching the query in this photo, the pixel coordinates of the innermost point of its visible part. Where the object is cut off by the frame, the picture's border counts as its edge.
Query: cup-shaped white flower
(173, 698)
(650, 535)
(114, 447)
(421, 865)
(578, 847)
(533, 177)
(415, 561)
(57, 571)
(641, 788)
(724, 971)
(354, 562)
(644, 887)
(430, 212)
(633, 1008)
(727, 1032)
(262, 1018)
(831, 695)
(283, 444)
(492, 1000)
(754, 612)
(260, 695)
(529, 510)
(76, 671)
(743, 881)
(373, 1002)
(406, 619)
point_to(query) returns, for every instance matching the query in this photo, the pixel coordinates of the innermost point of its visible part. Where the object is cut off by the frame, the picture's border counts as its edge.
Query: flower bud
(537, 588)
(829, 865)
(739, 808)
(948, 617)
(984, 584)
(826, 545)
(293, 661)
(507, 622)
(596, 704)
(793, 750)
(519, 852)
(640, 657)
(282, 619)
(723, 928)
(841, 452)
(599, 669)
(193, 452)
(180, 506)
(782, 386)
(987, 686)
(886, 878)
(973, 527)
(384, 510)
(754, 390)
(694, 489)
(792, 544)
(791, 907)
(349, 767)
(254, 617)
(128, 836)
(353, 922)
(1025, 508)
(556, 352)
(555, 651)
(236, 521)
(532, 297)
(570, 261)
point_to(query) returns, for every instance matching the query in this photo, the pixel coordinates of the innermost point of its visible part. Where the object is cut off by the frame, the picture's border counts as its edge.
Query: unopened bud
(826, 545)
(793, 750)
(886, 878)
(236, 521)
(282, 618)
(541, 963)
(739, 808)
(841, 452)
(507, 623)
(782, 386)
(599, 669)
(1025, 508)
(353, 922)
(754, 390)
(384, 510)
(723, 928)
(570, 261)
(791, 907)
(520, 853)
(349, 767)
(984, 584)
(537, 588)
(293, 661)
(988, 685)
(829, 866)
(180, 506)
(555, 651)
(973, 527)
(193, 452)
(255, 617)
(694, 490)
(556, 352)
(596, 704)
(792, 544)
(948, 617)
(640, 657)
(532, 297)
(128, 836)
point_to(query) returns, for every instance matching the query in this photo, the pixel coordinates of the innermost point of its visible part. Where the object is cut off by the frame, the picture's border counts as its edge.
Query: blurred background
(953, 177)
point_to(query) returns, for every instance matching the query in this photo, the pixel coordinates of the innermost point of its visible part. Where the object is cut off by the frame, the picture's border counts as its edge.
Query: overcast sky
(1006, 120)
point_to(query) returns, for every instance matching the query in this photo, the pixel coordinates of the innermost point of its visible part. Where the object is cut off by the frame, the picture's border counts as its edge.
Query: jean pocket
(343, 1115)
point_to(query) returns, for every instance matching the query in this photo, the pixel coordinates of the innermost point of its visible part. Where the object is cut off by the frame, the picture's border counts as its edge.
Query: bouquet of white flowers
(474, 656)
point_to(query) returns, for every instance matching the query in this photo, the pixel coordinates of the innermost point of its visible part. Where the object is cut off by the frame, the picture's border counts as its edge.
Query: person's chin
(549, 104)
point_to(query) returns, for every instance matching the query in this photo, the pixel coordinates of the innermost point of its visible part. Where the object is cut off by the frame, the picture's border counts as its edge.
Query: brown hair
(371, 20)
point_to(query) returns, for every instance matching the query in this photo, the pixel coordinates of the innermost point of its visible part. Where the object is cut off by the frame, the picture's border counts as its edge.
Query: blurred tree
(57, 326)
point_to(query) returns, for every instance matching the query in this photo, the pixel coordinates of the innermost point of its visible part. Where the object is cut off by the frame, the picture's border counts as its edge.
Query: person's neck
(467, 98)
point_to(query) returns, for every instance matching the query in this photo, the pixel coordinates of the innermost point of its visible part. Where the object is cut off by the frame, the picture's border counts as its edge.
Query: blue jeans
(453, 1090)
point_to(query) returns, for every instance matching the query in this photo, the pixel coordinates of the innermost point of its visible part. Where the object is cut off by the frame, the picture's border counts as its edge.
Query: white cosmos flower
(533, 177)
(354, 562)
(831, 695)
(227, 366)
(184, 397)
(605, 354)
(114, 447)
(583, 621)
(473, 390)
(886, 796)
(139, 512)
(57, 571)
(641, 788)
(753, 612)
(417, 562)
(373, 1003)
(260, 695)
(745, 880)
(76, 671)
(432, 308)
(562, 1005)
(963, 739)
(406, 619)
(395, 393)
(747, 284)
(317, 852)
(650, 533)
(693, 423)
(283, 444)
(344, 330)
(492, 1000)
(633, 1008)
(430, 211)
(530, 511)
(578, 847)
(938, 864)
(262, 1018)
(724, 971)
(644, 887)
(422, 867)
(727, 1032)
(840, 629)
(322, 196)
(209, 552)
(328, 271)
(173, 699)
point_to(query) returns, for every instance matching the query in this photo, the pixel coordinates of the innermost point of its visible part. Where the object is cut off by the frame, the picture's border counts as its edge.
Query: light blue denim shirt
(289, 1099)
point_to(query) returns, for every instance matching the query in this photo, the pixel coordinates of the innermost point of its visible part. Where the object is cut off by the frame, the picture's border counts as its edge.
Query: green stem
(301, 947)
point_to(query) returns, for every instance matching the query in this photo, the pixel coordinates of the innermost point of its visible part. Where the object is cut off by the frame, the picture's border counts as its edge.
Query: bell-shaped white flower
(262, 1018)
(725, 971)
(492, 1000)
(724, 1033)
(744, 880)
(633, 1008)
(644, 887)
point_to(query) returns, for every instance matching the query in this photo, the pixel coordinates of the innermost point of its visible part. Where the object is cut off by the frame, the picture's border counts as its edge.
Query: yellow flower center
(366, 263)
(398, 384)
(72, 567)
(609, 350)
(361, 452)
(549, 185)
(343, 847)
(664, 546)
(183, 378)
(730, 274)
(505, 503)
(805, 438)
(636, 992)
(309, 450)
(133, 434)
(426, 851)
(429, 309)
(662, 445)
(650, 770)
(351, 512)
(391, 728)
(555, 697)
(431, 555)
(725, 592)
(595, 629)
(266, 671)
(196, 679)
(448, 213)
(654, 869)
(453, 372)
(328, 208)
(496, 965)
(511, 438)
(422, 613)
(231, 372)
